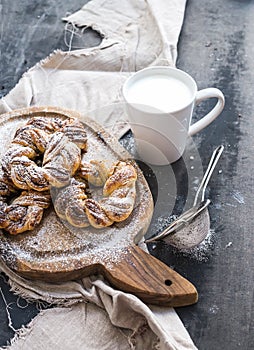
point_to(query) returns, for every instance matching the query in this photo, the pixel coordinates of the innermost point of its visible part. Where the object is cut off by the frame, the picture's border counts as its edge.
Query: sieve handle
(210, 168)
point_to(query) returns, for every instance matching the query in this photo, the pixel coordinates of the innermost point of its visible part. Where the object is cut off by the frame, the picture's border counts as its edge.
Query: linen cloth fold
(90, 314)
(136, 35)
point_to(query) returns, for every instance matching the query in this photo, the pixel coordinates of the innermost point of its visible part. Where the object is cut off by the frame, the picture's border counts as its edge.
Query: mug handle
(209, 117)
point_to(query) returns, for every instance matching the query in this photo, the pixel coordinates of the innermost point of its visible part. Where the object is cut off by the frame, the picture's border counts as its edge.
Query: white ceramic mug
(159, 102)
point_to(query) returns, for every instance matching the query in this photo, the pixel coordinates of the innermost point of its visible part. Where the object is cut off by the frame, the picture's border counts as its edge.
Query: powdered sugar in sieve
(192, 234)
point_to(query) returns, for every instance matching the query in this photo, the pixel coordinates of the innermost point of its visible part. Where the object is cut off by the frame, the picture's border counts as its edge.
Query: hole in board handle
(168, 282)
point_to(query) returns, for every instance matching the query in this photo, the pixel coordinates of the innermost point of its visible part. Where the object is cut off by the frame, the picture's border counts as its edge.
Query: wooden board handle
(150, 279)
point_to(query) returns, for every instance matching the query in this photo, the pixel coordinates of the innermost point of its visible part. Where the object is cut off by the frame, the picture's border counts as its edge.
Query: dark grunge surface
(216, 48)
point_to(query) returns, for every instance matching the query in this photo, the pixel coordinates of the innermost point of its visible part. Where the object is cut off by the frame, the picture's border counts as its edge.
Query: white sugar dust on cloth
(89, 314)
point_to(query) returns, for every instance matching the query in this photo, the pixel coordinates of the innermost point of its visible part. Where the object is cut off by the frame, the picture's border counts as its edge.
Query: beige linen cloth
(90, 314)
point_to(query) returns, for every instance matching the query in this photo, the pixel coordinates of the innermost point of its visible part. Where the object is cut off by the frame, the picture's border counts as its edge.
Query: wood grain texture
(151, 280)
(55, 251)
(135, 272)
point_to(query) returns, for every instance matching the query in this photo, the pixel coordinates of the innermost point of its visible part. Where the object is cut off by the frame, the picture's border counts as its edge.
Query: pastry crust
(26, 174)
(69, 203)
(44, 152)
(51, 154)
(61, 160)
(119, 205)
(25, 212)
(76, 133)
(94, 172)
(97, 216)
(122, 174)
(116, 205)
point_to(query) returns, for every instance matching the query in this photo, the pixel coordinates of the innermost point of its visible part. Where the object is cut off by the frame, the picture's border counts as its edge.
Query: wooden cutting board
(56, 252)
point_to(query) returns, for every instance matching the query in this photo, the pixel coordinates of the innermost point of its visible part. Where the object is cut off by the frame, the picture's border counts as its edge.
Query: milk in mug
(159, 92)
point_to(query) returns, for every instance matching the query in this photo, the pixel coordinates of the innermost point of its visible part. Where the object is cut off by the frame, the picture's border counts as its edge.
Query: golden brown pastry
(120, 175)
(44, 152)
(15, 152)
(33, 198)
(120, 193)
(76, 133)
(48, 152)
(3, 217)
(21, 219)
(61, 160)
(119, 205)
(72, 204)
(25, 174)
(24, 213)
(96, 215)
(69, 203)
(7, 188)
(34, 138)
(49, 125)
(94, 171)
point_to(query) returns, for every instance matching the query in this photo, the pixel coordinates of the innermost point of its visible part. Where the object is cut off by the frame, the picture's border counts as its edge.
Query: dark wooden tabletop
(216, 48)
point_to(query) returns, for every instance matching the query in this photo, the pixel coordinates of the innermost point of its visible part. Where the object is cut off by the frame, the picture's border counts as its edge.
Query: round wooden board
(55, 251)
